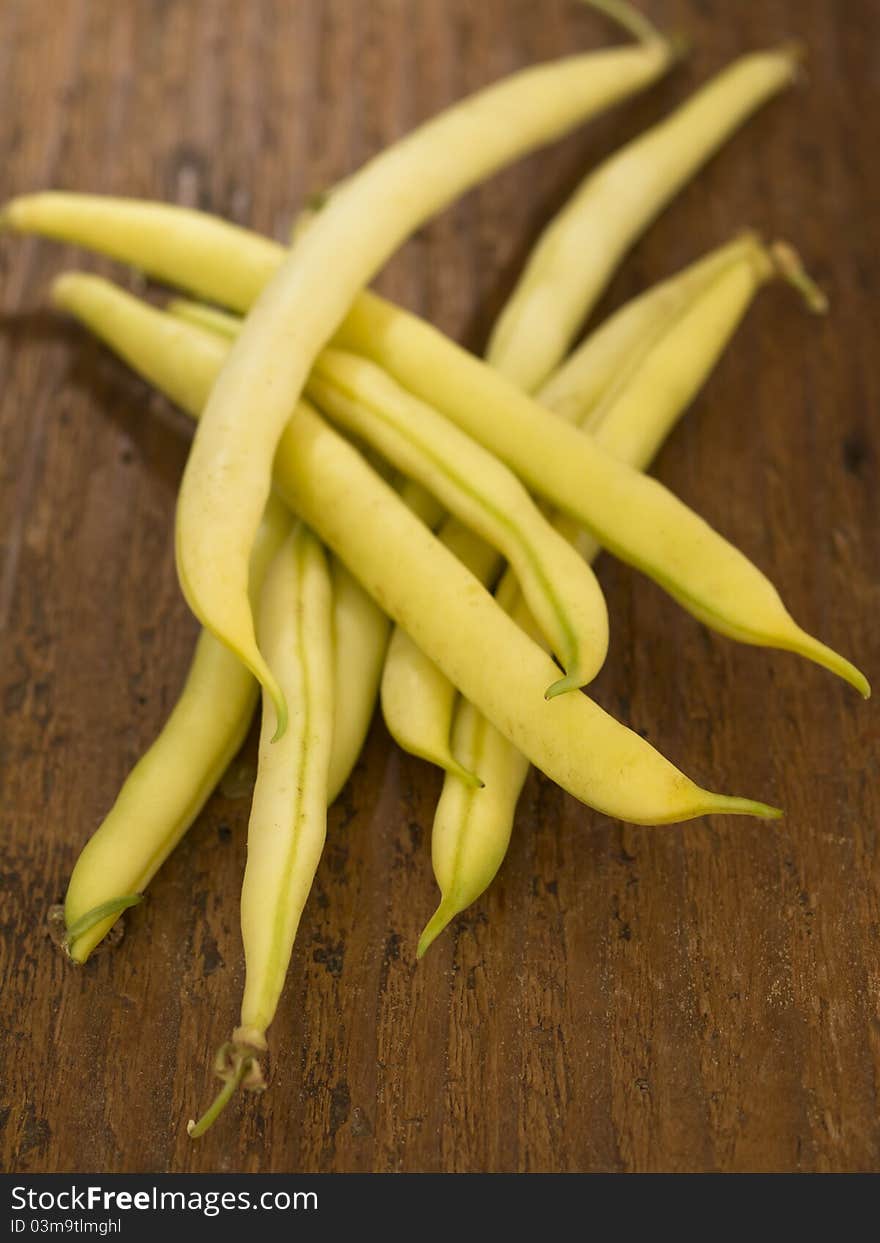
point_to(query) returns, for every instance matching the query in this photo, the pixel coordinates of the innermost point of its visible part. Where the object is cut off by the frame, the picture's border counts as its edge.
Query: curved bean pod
(632, 516)
(162, 796)
(160, 799)
(470, 835)
(289, 814)
(568, 606)
(472, 829)
(288, 820)
(580, 248)
(425, 589)
(360, 626)
(417, 701)
(184, 367)
(422, 719)
(300, 308)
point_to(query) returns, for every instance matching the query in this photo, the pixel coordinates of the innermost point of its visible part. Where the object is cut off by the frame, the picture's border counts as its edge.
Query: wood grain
(693, 998)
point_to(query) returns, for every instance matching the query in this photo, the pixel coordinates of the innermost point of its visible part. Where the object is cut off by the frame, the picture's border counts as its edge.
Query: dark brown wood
(691, 998)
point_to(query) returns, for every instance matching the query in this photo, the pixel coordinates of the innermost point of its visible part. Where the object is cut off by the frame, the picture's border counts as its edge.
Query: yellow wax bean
(288, 821)
(485, 654)
(289, 814)
(161, 798)
(472, 828)
(184, 369)
(567, 604)
(581, 247)
(174, 778)
(477, 646)
(417, 701)
(228, 471)
(360, 626)
(631, 515)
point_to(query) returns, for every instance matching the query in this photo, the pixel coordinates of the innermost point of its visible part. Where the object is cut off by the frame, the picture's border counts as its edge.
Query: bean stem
(237, 1068)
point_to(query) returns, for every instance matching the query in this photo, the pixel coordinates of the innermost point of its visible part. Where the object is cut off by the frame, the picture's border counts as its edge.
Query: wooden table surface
(702, 997)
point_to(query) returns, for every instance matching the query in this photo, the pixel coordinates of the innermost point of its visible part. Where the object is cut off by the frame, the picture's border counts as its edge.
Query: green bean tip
(471, 780)
(827, 658)
(627, 16)
(440, 920)
(790, 267)
(731, 805)
(280, 705)
(571, 682)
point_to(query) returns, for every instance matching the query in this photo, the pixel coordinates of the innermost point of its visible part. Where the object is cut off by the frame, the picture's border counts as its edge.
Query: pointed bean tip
(438, 923)
(766, 811)
(280, 705)
(468, 778)
(790, 268)
(732, 805)
(425, 941)
(821, 654)
(571, 682)
(628, 17)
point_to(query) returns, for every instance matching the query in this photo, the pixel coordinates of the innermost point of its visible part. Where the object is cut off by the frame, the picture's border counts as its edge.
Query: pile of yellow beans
(369, 512)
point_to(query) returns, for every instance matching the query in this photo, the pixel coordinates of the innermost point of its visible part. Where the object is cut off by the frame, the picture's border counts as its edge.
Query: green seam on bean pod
(424, 588)
(160, 798)
(299, 309)
(472, 829)
(568, 605)
(417, 701)
(631, 515)
(288, 820)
